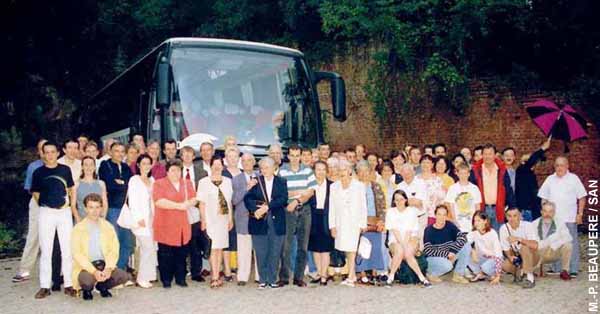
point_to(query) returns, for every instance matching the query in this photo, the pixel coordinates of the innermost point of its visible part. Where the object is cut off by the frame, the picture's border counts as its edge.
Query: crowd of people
(131, 217)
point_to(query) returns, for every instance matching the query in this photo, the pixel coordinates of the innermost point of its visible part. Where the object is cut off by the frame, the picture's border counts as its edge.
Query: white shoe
(349, 283)
(144, 284)
(129, 283)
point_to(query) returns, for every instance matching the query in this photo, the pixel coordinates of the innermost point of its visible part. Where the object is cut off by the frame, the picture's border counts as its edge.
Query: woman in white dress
(347, 216)
(140, 204)
(214, 194)
(403, 225)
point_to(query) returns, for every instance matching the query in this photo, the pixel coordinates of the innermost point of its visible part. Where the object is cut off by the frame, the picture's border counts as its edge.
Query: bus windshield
(259, 98)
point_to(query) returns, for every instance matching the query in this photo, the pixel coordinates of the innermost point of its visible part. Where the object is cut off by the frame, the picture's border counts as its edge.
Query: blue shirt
(29, 174)
(371, 210)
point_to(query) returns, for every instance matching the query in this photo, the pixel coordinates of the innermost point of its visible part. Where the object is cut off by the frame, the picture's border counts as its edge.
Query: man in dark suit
(266, 203)
(193, 171)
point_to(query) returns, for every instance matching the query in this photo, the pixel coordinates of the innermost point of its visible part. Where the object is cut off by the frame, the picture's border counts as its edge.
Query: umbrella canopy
(560, 123)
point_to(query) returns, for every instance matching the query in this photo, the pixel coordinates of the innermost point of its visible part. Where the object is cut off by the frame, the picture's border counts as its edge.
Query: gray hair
(266, 161)
(407, 167)
(274, 146)
(363, 164)
(549, 203)
(333, 162)
(344, 164)
(248, 155)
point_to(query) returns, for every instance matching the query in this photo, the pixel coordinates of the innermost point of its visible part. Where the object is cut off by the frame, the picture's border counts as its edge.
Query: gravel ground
(551, 295)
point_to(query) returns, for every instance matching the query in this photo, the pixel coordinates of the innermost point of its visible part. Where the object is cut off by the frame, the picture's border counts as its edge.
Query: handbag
(337, 259)
(125, 219)
(364, 247)
(205, 244)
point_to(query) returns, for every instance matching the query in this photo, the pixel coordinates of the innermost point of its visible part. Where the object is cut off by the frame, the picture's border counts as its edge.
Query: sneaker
(349, 283)
(434, 279)
(42, 293)
(129, 283)
(426, 283)
(564, 275)
(527, 284)
(144, 284)
(459, 279)
(573, 275)
(20, 277)
(262, 286)
(274, 286)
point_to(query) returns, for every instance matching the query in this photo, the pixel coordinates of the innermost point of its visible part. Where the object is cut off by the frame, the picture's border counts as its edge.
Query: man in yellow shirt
(95, 250)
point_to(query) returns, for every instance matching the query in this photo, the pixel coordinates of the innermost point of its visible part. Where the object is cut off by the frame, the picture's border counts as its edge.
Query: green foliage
(8, 240)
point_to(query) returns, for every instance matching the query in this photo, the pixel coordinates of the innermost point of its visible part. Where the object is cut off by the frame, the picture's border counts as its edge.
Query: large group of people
(132, 217)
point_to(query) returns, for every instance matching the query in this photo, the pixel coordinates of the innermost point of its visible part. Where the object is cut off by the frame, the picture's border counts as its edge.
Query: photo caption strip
(592, 247)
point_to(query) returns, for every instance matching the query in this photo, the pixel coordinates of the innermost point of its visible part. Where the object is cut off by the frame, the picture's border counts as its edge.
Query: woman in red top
(172, 196)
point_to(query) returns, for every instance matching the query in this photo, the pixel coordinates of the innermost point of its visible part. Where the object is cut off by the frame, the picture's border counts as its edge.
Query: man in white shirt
(69, 159)
(207, 151)
(567, 192)
(518, 239)
(193, 171)
(554, 240)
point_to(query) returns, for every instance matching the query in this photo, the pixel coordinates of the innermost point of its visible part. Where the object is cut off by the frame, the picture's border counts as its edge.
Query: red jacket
(504, 196)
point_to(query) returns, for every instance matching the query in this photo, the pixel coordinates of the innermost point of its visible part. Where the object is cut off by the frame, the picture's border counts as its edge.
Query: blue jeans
(312, 267)
(574, 264)
(126, 238)
(490, 211)
(438, 266)
(485, 265)
(267, 248)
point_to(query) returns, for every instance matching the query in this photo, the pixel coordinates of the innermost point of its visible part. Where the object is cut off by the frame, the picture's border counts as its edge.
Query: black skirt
(320, 239)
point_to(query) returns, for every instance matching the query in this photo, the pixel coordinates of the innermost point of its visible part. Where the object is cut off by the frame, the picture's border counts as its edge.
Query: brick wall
(509, 125)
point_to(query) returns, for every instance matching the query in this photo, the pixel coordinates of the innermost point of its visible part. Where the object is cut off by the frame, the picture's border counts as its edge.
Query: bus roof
(230, 43)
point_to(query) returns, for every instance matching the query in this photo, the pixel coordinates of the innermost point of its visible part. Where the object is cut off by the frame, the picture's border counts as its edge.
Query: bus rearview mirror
(163, 93)
(338, 93)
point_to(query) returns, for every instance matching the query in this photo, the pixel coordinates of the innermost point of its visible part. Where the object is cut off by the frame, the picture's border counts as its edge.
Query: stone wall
(507, 125)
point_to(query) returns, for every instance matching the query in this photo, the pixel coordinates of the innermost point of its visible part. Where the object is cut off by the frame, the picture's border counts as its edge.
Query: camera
(517, 261)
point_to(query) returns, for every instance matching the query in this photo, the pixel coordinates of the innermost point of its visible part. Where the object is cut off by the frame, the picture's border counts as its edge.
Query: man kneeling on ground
(554, 240)
(519, 243)
(95, 252)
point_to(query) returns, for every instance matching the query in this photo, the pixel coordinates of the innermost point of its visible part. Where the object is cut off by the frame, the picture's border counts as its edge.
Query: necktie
(187, 174)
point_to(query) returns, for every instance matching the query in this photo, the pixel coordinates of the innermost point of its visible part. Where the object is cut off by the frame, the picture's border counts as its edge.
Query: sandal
(478, 277)
(214, 283)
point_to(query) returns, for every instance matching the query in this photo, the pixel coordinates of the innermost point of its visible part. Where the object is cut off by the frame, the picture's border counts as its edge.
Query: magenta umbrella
(561, 123)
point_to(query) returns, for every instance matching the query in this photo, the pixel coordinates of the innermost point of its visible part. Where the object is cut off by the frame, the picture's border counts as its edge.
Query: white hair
(248, 155)
(344, 164)
(333, 162)
(407, 167)
(266, 161)
(363, 164)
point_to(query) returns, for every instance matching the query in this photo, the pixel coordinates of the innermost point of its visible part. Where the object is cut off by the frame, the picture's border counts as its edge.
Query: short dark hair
(386, 163)
(441, 206)
(92, 197)
(294, 147)
(489, 146)
(306, 149)
(350, 150)
(70, 140)
(169, 141)
(513, 208)
(173, 163)
(478, 147)
(426, 157)
(215, 158)
(428, 146)
(116, 144)
(395, 153)
(320, 162)
(444, 159)
(440, 145)
(49, 143)
(507, 149)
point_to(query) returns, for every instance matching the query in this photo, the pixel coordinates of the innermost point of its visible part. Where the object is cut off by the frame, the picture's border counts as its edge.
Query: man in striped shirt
(301, 183)
(444, 246)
